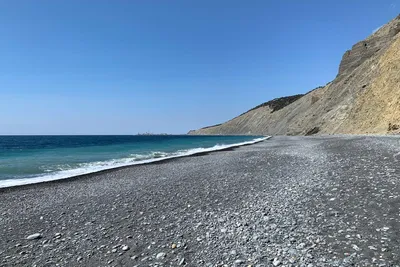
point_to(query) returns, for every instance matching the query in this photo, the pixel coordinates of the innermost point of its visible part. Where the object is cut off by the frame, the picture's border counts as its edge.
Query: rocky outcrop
(367, 48)
(363, 98)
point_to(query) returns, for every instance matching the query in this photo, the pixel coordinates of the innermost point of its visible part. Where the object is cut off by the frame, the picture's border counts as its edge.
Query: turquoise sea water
(30, 159)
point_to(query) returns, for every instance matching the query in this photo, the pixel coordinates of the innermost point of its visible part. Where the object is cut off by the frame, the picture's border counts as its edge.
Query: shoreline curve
(18, 183)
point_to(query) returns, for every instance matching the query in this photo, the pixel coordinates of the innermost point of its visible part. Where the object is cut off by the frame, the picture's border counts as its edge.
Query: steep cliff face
(363, 98)
(367, 48)
(378, 105)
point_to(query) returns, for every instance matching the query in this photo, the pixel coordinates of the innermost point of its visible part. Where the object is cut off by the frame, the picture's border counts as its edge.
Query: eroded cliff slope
(363, 98)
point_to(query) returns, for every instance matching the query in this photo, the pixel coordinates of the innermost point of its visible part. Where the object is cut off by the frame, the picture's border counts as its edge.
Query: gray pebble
(276, 262)
(34, 236)
(160, 255)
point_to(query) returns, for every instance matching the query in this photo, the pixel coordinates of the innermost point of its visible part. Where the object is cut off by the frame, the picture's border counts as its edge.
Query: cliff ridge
(364, 98)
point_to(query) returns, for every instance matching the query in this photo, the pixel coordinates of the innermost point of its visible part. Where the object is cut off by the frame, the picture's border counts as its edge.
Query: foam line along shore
(140, 157)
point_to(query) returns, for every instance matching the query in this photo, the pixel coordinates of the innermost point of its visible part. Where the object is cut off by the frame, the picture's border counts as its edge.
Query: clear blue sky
(122, 67)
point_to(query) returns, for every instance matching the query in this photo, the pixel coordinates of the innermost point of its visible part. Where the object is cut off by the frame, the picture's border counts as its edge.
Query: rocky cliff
(363, 98)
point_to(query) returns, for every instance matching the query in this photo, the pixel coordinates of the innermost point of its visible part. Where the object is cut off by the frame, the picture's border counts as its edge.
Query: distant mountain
(363, 98)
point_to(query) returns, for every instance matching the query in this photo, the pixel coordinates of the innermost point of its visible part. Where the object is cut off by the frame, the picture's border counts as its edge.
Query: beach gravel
(287, 201)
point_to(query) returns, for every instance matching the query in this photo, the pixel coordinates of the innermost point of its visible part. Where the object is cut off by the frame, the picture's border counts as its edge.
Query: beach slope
(293, 201)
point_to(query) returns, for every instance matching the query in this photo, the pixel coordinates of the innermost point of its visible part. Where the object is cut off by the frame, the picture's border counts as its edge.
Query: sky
(124, 67)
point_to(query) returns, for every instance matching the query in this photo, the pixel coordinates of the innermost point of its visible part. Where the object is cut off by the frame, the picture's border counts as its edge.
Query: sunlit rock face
(364, 98)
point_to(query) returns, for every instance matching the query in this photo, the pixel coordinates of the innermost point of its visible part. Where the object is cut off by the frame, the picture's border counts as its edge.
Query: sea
(34, 159)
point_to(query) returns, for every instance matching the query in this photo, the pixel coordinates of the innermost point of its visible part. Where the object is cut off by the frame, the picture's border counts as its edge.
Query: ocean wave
(134, 159)
(151, 155)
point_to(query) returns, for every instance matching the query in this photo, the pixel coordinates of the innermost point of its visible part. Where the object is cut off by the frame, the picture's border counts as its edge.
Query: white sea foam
(93, 167)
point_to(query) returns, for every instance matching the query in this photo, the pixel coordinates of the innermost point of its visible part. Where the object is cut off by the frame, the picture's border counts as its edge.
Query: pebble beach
(287, 201)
